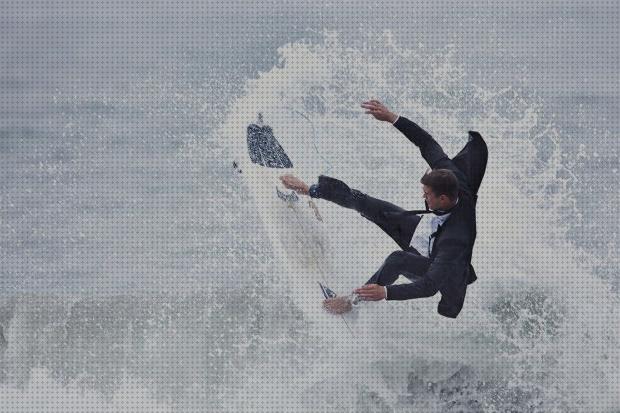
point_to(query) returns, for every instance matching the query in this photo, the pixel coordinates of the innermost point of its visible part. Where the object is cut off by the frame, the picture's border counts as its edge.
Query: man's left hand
(296, 184)
(371, 292)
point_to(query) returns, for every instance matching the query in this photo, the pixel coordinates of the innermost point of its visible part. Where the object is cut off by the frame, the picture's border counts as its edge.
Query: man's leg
(385, 214)
(407, 263)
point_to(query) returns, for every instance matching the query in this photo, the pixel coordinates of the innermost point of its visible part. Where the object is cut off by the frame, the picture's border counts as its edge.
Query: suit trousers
(389, 217)
(408, 261)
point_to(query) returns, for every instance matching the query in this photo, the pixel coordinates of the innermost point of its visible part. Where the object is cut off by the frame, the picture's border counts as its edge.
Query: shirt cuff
(385, 288)
(313, 191)
(397, 117)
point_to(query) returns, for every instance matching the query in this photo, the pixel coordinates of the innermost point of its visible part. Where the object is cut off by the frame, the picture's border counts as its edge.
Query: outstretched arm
(449, 262)
(431, 151)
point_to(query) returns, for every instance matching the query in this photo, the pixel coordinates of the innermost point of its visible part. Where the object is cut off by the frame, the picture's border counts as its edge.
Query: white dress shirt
(421, 239)
(436, 221)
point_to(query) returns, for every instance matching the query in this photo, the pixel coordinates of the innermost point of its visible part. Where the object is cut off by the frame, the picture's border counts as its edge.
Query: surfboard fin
(290, 198)
(327, 292)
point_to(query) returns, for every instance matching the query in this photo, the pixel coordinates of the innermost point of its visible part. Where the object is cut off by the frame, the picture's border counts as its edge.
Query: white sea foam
(538, 330)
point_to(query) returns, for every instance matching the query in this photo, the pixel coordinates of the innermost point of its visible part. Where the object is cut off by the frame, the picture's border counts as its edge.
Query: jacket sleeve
(431, 151)
(449, 262)
(334, 190)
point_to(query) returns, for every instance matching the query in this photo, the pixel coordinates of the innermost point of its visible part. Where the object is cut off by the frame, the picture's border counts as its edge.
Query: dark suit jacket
(450, 270)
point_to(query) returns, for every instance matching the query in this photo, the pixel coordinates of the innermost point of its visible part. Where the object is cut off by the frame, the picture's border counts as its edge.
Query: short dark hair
(441, 182)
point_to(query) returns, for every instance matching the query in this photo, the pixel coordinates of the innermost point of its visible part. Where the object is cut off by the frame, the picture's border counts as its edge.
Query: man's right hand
(296, 184)
(379, 111)
(337, 305)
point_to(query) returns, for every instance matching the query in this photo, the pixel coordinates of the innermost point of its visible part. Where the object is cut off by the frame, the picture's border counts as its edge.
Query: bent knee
(397, 255)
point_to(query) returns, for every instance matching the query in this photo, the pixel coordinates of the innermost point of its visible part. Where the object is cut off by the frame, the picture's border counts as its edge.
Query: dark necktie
(430, 238)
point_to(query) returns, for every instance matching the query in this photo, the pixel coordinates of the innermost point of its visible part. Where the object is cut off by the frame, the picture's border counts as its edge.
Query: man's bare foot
(338, 305)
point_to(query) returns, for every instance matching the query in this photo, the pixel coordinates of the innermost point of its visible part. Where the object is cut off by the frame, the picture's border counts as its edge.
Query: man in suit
(449, 191)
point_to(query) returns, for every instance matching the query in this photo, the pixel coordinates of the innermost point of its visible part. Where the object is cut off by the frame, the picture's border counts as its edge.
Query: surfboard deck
(292, 221)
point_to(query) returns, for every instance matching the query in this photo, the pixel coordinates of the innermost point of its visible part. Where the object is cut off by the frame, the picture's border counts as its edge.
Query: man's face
(433, 201)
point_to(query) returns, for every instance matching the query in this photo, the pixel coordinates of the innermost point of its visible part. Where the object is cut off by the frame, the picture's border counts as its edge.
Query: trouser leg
(400, 227)
(409, 264)
(385, 214)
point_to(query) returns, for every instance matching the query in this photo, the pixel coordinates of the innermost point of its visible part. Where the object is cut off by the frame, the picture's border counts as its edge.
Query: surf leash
(328, 293)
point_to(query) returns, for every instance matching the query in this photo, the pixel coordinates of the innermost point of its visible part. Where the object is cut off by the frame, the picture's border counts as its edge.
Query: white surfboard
(293, 221)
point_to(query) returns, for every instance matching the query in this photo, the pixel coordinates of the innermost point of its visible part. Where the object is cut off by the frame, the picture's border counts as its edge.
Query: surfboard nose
(263, 147)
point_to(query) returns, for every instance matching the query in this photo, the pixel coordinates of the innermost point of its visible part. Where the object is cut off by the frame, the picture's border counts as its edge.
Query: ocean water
(137, 273)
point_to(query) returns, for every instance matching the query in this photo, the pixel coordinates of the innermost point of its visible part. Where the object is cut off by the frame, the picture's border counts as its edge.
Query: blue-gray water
(136, 273)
